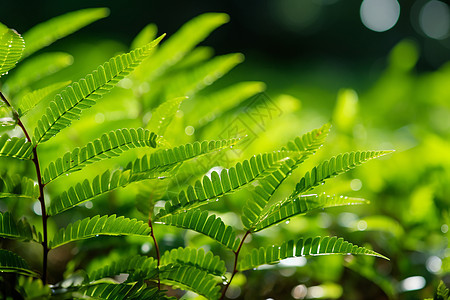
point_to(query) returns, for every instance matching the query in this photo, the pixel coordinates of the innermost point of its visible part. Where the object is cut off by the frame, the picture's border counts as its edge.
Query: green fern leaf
(168, 159)
(198, 55)
(36, 68)
(333, 167)
(231, 180)
(18, 186)
(192, 279)
(54, 29)
(112, 291)
(183, 41)
(28, 101)
(83, 94)
(210, 263)
(110, 145)
(305, 145)
(163, 115)
(11, 49)
(15, 147)
(148, 167)
(33, 289)
(303, 247)
(211, 226)
(302, 205)
(11, 262)
(17, 230)
(105, 225)
(138, 267)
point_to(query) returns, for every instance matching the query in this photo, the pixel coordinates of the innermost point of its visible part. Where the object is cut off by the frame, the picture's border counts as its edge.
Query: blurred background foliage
(380, 74)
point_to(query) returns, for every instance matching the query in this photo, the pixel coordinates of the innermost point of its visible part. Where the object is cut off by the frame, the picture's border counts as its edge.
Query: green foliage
(303, 247)
(176, 181)
(105, 225)
(83, 94)
(11, 262)
(11, 49)
(20, 230)
(109, 145)
(15, 147)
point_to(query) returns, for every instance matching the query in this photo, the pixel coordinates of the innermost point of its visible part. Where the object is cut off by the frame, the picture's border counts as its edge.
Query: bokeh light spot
(379, 15)
(412, 283)
(434, 19)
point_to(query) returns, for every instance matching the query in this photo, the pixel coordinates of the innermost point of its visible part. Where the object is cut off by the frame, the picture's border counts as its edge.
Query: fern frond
(231, 180)
(197, 258)
(112, 291)
(17, 230)
(305, 145)
(11, 49)
(162, 116)
(36, 68)
(211, 226)
(11, 262)
(192, 279)
(15, 147)
(138, 267)
(110, 145)
(18, 186)
(333, 167)
(302, 205)
(54, 29)
(188, 82)
(148, 167)
(184, 40)
(33, 289)
(167, 159)
(105, 225)
(303, 247)
(83, 94)
(28, 101)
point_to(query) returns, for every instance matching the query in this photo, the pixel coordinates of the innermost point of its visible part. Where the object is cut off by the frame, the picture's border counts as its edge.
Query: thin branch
(41, 199)
(156, 248)
(235, 270)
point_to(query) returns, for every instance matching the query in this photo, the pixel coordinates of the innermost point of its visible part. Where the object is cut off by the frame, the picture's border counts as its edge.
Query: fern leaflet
(18, 230)
(191, 278)
(197, 258)
(211, 226)
(83, 94)
(11, 49)
(17, 186)
(333, 167)
(15, 147)
(303, 247)
(138, 267)
(31, 99)
(109, 145)
(11, 262)
(301, 205)
(105, 225)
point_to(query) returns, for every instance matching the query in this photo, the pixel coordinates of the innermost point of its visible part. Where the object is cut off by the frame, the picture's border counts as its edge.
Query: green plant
(173, 71)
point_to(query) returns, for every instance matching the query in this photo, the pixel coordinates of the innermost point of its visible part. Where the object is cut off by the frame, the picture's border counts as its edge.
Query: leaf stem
(235, 270)
(156, 248)
(41, 199)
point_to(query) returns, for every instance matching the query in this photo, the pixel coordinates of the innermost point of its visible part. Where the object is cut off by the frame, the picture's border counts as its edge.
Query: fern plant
(175, 70)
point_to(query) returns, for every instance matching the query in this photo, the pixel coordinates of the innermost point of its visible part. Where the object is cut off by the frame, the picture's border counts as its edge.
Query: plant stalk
(235, 270)
(41, 199)
(156, 248)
